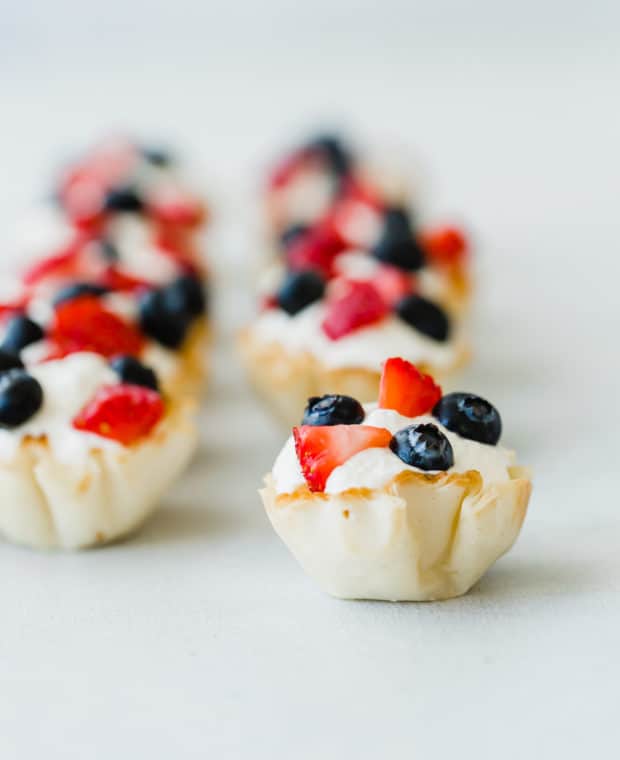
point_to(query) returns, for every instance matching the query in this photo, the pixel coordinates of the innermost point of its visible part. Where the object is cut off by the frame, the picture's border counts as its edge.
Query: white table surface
(201, 637)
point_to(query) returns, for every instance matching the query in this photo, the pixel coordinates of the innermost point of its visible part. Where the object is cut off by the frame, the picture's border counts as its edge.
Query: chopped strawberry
(321, 448)
(268, 302)
(177, 209)
(125, 413)
(445, 245)
(114, 279)
(353, 305)
(283, 173)
(59, 264)
(393, 284)
(406, 390)
(84, 324)
(316, 250)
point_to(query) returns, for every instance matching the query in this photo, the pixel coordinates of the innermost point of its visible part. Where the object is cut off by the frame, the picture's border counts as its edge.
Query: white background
(201, 637)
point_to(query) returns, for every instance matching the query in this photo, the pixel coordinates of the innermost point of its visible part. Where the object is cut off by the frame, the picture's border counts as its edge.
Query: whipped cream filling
(374, 468)
(365, 348)
(68, 385)
(307, 196)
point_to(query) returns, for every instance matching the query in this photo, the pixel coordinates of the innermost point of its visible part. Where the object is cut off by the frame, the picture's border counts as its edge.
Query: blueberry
(425, 316)
(470, 416)
(157, 156)
(132, 371)
(333, 410)
(159, 322)
(21, 332)
(77, 289)
(299, 290)
(123, 199)
(21, 397)
(186, 295)
(292, 234)
(9, 361)
(332, 149)
(423, 446)
(109, 251)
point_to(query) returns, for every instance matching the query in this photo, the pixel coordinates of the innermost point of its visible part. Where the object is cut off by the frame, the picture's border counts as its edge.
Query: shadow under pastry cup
(46, 503)
(419, 538)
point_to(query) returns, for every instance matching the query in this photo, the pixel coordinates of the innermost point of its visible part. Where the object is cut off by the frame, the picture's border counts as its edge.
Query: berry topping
(21, 397)
(330, 149)
(333, 410)
(398, 245)
(162, 319)
(78, 289)
(320, 449)
(174, 207)
(84, 324)
(124, 413)
(9, 360)
(316, 250)
(133, 372)
(425, 316)
(406, 390)
(424, 447)
(21, 332)
(299, 290)
(293, 233)
(445, 245)
(393, 284)
(186, 295)
(157, 156)
(123, 199)
(355, 305)
(470, 416)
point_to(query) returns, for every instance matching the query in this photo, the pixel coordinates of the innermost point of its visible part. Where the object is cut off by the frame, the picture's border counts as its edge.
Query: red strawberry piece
(393, 284)
(9, 309)
(321, 448)
(125, 413)
(268, 302)
(60, 264)
(84, 324)
(445, 245)
(406, 390)
(352, 305)
(284, 172)
(114, 279)
(177, 209)
(316, 250)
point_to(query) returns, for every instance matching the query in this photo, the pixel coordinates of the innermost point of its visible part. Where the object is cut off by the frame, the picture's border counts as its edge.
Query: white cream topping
(366, 348)
(373, 468)
(68, 385)
(138, 256)
(307, 196)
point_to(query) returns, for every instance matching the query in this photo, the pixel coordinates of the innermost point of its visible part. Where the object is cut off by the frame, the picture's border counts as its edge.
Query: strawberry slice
(114, 279)
(354, 304)
(315, 250)
(406, 390)
(445, 245)
(84, 324)
(321, 448)
(125, 413)
(393, 284)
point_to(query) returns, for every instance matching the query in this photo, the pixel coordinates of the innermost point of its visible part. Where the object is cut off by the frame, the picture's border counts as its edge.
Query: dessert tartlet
(409, 499)
(115, 267)
(87, 448)
(355, 282)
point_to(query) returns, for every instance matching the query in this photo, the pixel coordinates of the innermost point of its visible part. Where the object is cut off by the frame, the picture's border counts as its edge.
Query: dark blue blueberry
(21, 397)
(299, 290)
(157, 156)
(333, 151)
(293, 233)
(423, 446)
(77, 289)
(9, 361)
(186, 295)
(333, 410)
(397, 244)
(123, 199)
(159, 322)
(425, 316)
(470, 416)
(132, 371)
(21, 332)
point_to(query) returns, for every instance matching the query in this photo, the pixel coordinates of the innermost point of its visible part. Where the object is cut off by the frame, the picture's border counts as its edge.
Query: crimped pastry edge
(419, 538)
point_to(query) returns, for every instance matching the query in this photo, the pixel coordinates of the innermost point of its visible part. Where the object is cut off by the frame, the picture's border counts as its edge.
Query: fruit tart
(117, 260)
(407, 499)
(87, 447)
